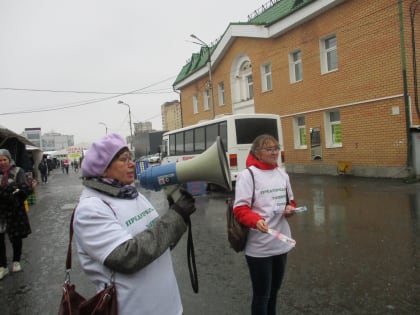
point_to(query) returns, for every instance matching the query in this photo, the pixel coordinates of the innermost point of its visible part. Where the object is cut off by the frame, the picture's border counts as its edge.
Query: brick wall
(367, 88)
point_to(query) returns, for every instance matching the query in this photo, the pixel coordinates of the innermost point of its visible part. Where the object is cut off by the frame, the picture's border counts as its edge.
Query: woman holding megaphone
(263, 200)
(120, 235)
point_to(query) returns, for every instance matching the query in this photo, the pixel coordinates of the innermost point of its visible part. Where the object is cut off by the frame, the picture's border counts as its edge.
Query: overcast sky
(51, 47)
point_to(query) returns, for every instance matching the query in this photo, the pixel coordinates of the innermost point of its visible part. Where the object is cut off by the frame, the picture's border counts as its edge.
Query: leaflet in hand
(282, 237)
(300, 209)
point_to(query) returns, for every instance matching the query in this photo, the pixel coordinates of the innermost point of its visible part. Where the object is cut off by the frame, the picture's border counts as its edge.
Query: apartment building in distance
(171, 115)
(341, 74)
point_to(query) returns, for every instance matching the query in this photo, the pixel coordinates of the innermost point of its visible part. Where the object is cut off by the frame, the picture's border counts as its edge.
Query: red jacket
(243, 213)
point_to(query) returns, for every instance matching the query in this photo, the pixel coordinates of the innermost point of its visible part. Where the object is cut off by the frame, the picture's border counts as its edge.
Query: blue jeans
(266, 277)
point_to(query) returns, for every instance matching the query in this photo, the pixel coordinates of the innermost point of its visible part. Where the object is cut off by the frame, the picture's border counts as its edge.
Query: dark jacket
(12, 208)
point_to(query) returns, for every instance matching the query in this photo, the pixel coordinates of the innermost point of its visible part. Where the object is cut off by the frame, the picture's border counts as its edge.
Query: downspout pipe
(413, 8)
(409, 163)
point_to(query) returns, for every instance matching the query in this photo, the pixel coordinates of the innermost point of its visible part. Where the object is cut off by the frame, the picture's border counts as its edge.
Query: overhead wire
(80, 103)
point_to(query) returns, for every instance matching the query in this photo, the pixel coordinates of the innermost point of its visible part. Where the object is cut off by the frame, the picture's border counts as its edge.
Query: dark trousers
(17, 250)
(266, 276)
(44, 177)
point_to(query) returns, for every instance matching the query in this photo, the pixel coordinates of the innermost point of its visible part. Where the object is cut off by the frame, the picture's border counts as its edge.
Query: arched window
(242, 85)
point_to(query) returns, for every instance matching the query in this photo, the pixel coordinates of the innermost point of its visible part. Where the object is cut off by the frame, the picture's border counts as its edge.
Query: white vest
(270, 203)
(98, 230)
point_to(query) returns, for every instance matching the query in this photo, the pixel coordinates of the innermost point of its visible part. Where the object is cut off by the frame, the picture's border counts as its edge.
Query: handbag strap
(68, 259)
(69, 247)
(253, 184)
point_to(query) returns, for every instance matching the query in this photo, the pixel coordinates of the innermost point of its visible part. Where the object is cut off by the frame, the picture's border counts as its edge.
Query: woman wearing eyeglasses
(266, 255)
(120, 235)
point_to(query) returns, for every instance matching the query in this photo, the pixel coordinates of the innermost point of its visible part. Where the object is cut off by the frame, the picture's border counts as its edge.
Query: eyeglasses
(271, 149)
(125, 159)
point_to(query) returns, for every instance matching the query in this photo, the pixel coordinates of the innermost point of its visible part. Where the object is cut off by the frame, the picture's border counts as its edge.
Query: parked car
(155, 158)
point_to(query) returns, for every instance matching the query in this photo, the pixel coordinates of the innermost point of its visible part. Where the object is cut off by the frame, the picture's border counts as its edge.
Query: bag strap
(253, 184)
(69, 247)
(68, 259)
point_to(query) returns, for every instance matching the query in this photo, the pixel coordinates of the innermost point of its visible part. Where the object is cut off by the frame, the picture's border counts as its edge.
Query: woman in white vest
(273, 201)
(118, 230)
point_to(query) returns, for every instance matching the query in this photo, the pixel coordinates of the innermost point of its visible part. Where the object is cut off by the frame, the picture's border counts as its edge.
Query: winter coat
(12, 208)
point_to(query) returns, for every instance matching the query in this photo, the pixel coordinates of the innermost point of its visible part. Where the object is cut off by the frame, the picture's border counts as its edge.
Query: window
(300, 132)
(329, 54)
(206, 96)
(195, 104)
(333, 129)
(295, 66)
(221, 93)
(250, 90)
(266, 77)
(200, 140)
(245, 84)
(189, 142)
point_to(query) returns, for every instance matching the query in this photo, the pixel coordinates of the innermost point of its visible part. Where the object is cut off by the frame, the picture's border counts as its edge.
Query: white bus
(237, 131)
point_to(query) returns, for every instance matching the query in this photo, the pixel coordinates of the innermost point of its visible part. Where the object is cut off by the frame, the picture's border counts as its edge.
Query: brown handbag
(72, 303)
(236, 231)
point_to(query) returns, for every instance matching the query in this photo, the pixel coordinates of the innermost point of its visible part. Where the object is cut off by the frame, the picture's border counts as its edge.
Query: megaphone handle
(173, 192)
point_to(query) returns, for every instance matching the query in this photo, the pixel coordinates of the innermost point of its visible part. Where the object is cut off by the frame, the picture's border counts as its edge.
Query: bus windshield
(250, 128)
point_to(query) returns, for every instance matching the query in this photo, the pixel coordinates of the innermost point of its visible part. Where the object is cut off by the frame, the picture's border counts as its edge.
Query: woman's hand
(262, 226)
(289, 211)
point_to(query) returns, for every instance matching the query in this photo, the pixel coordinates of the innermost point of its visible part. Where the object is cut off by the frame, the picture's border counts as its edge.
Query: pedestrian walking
(66, 166)
(76, 166)
(263, 199)
(13, 218)
(43, 169)
(120, 235)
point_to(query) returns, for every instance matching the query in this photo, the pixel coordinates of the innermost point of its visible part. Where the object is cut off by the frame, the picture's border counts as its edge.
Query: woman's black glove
(184, 206)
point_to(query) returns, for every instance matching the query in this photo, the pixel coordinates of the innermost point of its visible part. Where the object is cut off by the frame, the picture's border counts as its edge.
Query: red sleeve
(246, 216)
(292, 203)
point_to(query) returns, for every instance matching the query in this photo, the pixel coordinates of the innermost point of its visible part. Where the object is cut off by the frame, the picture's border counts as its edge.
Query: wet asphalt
(357, 252)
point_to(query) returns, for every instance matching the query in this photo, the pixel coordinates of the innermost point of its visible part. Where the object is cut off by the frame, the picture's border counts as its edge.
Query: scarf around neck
(111, 187)
(5, 177)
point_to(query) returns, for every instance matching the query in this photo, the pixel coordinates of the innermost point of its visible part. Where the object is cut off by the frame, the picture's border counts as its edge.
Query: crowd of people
(122, 239)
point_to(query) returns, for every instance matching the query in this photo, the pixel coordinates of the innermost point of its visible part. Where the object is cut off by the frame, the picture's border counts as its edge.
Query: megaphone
(210, 166)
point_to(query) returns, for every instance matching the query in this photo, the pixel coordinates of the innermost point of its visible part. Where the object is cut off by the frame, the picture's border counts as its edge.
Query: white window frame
(266, 77)
(328, 56)
(295, 66)
(250, 87)
(221, 93)
(298, 128)
(331, 140)
(206, 100)
(195, 103)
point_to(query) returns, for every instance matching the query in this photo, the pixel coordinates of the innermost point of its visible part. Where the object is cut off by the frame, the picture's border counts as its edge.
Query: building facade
(33, 135)
(54, 141)
(340, 74)
(171, 115)
(142, 127)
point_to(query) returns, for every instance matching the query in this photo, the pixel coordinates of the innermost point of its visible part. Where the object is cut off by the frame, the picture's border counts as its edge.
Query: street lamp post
(204, 44)
(106, 127)
(129, 117)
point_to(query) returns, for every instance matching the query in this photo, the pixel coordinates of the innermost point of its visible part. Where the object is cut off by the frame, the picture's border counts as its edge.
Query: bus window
(248, 129)
(189, 142)
(223, 134)
(199, 140)
(179, 145)
(211, 134)
(171, 144)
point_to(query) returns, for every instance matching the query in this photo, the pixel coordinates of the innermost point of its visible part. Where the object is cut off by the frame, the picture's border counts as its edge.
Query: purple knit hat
(100, 154)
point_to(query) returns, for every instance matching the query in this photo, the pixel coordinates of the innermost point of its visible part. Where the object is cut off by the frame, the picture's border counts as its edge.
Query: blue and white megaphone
(210, 166)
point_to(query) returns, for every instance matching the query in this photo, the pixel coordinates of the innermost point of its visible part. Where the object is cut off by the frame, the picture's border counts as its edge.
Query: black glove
(185, 206)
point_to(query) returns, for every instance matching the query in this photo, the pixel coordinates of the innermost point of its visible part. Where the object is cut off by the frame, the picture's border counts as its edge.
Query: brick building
(335, 71)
